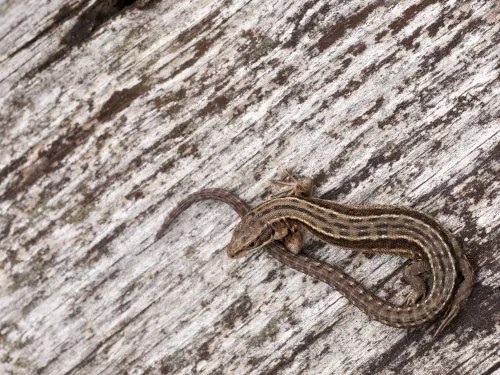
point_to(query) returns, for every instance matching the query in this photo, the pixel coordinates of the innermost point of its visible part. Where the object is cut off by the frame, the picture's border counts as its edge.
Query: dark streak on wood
(89, 21)
(439, 53)
(365, 116)
(409, 41)
(303, 346)
(101, 248)
(343, 24)
(48, 159)
(300, 28)
(492, 369)
(121, 99)
(91, 356)
(409, 13)
(189, 34)
(64, 14)
(200, 49)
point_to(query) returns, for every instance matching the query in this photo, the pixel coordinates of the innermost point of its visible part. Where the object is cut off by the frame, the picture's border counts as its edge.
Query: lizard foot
(298, 187)
(413, 274)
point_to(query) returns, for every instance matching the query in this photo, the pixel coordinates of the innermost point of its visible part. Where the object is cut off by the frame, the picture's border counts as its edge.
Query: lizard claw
(412, 298)
(297, 187)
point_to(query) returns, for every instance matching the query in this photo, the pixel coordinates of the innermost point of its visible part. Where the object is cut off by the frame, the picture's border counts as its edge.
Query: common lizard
(374, 229)
(332, 275)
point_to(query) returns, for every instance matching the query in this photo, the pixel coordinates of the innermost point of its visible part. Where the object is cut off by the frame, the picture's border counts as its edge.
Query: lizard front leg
(289, 235)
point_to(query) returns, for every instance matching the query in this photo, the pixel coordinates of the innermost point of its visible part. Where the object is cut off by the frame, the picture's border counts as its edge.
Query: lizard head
(249, 235)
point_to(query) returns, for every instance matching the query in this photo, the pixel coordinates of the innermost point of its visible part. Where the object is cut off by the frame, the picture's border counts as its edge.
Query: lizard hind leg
(293, 242)
(289, 234)
(414, 275)
(297, 187)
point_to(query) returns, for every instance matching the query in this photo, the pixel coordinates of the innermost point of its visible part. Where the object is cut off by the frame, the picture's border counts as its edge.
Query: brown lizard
(374, 229)
(331, 275)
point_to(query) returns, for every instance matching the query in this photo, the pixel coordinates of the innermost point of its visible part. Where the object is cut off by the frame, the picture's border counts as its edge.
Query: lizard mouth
(237, 251)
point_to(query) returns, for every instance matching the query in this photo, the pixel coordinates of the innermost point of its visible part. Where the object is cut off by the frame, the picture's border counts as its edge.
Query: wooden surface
(113, 111)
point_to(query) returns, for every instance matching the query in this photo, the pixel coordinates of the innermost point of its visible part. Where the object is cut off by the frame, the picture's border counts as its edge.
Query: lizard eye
(251, 244)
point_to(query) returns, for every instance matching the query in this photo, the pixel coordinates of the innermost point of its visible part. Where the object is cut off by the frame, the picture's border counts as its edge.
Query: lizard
(327, 273)
(396, 230)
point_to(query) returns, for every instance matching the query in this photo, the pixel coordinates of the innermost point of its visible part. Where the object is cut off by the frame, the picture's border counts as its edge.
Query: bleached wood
(110, 114)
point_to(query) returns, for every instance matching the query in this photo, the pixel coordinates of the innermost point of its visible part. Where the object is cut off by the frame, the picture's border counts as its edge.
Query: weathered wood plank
(113, 111)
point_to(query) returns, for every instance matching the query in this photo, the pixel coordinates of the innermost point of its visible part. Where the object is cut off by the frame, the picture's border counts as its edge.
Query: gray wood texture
(113, 111)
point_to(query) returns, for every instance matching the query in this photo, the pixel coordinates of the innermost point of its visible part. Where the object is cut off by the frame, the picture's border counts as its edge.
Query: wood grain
(112, 111)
